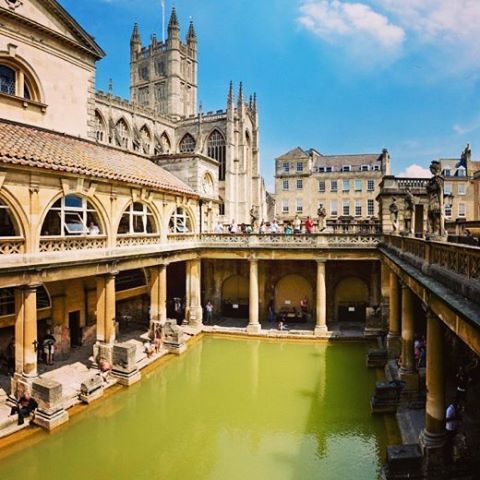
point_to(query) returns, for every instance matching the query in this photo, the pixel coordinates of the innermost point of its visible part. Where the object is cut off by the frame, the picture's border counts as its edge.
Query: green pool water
(226, 409)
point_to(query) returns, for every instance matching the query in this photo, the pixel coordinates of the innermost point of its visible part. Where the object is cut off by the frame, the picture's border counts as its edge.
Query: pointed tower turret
(173, 25)
(154, 41)
(135, 40)
(230, 95)
(240, 95)
(191, 35)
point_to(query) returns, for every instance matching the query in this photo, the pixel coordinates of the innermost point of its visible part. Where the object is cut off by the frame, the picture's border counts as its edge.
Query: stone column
(105, 316)
(26, 331)
(393, 338)
(158, 294)
(253, 320)
(321, 305)
(408, 369)
(195, 311)
(433, 436)
(375, 287)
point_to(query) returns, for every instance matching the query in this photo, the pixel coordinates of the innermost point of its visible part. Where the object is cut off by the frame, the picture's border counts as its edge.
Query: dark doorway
(75, 329)
(176, 290)
(419, 221)
(352, 313)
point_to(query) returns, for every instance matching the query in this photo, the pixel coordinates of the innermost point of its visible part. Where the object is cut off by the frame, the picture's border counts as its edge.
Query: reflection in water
(227, 409)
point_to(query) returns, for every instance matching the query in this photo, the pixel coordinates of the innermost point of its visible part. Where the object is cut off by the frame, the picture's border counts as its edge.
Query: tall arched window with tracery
(122, 133)
(71, 215)
(180, 221)
(137, 219)
(162, 144)
(146, 139)
(216, 149)
(100, 128)
(187, 144)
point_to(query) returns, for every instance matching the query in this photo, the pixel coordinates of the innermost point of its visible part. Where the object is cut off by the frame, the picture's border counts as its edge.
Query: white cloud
(334, 20)
(415, 171)
(468, 127)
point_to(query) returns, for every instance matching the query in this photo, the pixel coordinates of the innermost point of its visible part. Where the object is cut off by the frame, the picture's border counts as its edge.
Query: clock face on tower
(207, 184)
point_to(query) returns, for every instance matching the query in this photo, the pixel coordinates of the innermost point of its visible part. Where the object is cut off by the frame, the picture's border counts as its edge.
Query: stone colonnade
(402, 326)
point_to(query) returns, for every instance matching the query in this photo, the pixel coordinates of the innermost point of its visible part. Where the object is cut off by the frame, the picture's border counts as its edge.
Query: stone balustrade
(125, 241)
(11, 245)
(64, 244)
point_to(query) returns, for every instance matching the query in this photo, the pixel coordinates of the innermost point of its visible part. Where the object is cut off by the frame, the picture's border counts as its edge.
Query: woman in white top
(297, 225)
(233, 227)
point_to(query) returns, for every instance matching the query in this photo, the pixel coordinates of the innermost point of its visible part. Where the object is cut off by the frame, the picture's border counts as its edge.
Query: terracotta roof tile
(22, 145)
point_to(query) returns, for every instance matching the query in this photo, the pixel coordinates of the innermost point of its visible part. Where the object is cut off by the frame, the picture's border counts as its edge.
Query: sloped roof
(33, 147)
(354, 160)
(293, 154)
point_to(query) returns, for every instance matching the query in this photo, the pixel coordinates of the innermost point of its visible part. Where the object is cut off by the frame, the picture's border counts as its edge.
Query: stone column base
(433, 450)
(410, 378)
(50, 420)
(127, 378)
(321, 331)
(19, 383)
(195, 316)
(393, 346)
(254, 328)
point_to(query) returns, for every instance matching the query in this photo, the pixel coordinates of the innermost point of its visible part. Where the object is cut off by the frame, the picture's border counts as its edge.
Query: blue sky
(343, 77)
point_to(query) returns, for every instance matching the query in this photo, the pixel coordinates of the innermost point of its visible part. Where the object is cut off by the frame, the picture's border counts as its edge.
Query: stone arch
(123, 132)
(31, 79)
(131, 211)
(235, 296)
(102, 216)
(101, 133)
(351, 297)
(146, 138)
(163, 144)
(174, 227)
(18, 219)
(217, 149)
(290, 290)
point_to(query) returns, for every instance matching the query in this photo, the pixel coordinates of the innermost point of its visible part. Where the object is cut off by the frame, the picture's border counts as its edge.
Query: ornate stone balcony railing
(328, 240)
(11, 245)
(64, 244)
(181, 238)
(125, 241)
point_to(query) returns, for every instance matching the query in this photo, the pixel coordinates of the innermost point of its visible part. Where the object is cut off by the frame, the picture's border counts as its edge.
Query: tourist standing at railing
(274, 228)
(218, 228)
(288, 229)
(297, 225)
(233, 228)
(309, 225)
(263, 228)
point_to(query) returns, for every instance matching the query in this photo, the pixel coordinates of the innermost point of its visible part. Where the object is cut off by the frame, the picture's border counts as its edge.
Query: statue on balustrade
(409, 207)
(393, 208)
(253, 216)
(435, 200)
(321, 213)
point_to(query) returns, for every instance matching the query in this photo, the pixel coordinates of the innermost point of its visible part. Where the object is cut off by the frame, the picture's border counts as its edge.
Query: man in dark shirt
(25, 406)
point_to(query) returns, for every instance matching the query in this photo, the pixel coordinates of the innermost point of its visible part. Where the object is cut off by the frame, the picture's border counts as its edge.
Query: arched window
(187, 144)
(8, 225)
(100, 131)
(162, 144)
(216, 150)
(71, 215)
(137, 219)
(180, 221)
(16, 81)
(146, 139)
(122, 133)
(7, 300)
(248, 140)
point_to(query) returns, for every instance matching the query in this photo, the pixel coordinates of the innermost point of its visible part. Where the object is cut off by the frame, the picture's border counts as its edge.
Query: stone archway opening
(351, 299)
(290, 292)
(235, 296)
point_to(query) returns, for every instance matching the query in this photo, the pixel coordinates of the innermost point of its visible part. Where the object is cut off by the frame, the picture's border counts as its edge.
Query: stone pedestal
(91, 389)
(102, 351)
(124, 364)
(433, 447)
(410, 379)
(50, 412)
(174, 338)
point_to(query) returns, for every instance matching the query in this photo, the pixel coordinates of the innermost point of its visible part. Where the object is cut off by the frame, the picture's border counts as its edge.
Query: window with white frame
(462, 210)
(299, 184)
(346, 207)
(461, 172)
(358, 185)
(286, 167)
(321, 169)
(321, 185)
(16, 81)
(461, 189)
(299, 166)
(329, 169)
(334, 186)
(285, 206)
(358, 208)
(448, 210)
(447, 189)
(334, 208)
(71, 215)
(299, 205)
(8, 225)
(180, 221)
(346, 185)
(365, 168)
(370, 207)
(137, 219)
(446, 172)
(347, 168)
(370, 185)
(285, 185)
(376, 168)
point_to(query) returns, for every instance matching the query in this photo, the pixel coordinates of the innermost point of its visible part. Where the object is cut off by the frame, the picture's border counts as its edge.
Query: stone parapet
(50, 412)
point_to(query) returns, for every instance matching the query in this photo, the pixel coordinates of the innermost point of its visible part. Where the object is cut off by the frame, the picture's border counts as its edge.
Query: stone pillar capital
(30, 286)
